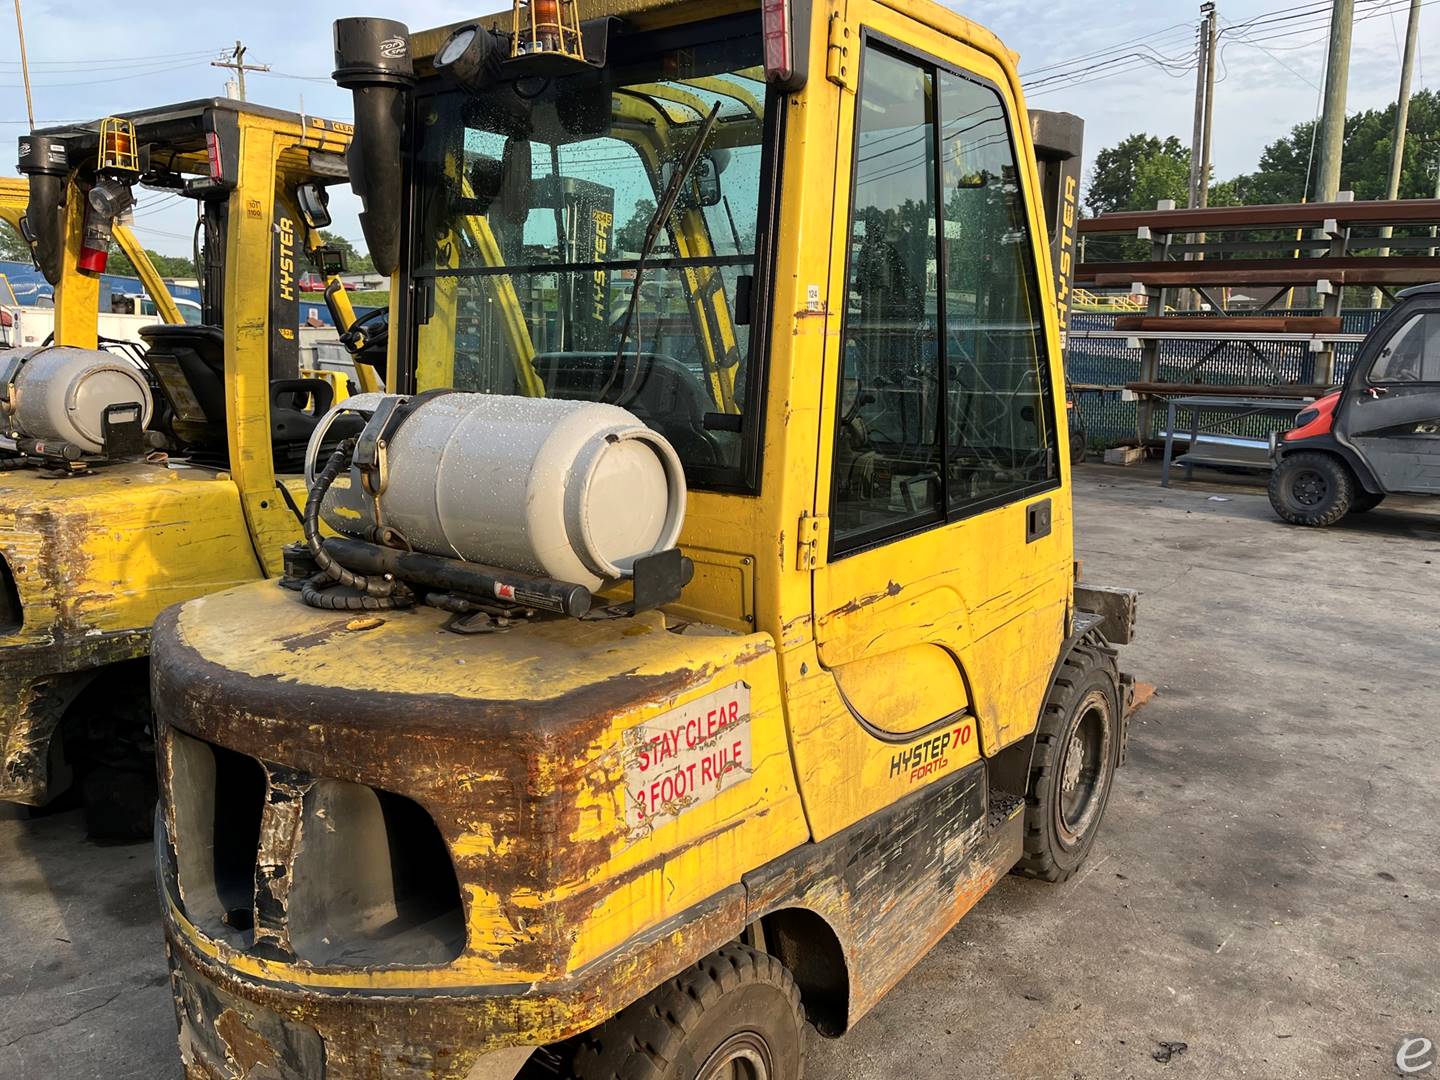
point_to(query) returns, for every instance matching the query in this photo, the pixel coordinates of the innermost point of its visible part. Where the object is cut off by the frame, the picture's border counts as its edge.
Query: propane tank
(60, 394)
(570, 490)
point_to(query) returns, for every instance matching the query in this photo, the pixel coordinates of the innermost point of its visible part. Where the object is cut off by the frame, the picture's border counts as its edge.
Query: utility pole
(1197, 140)
(1402, 121)
(237, 64)
(1211, 56)
(24, 65)
(1332, 121)
(1200, 140)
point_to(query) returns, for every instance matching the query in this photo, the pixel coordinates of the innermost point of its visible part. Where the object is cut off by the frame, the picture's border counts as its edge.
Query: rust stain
(859, 603)
(246, 1048)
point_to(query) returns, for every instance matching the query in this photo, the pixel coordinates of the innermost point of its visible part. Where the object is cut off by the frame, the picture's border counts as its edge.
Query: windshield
(531, 205)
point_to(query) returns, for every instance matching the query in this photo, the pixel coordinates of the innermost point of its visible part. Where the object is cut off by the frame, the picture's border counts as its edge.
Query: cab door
(1393, 416)
(945, 587)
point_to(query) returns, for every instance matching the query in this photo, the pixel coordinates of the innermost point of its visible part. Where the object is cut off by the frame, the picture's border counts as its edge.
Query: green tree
(1369, 139)
(1136, 173)
(13, 247)
(167, 266)
(631, 236)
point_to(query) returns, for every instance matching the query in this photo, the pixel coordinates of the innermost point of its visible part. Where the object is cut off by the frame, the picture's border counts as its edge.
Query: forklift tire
(1365, 501)
(1077, 750)
(736, 1013)
(1311, 488)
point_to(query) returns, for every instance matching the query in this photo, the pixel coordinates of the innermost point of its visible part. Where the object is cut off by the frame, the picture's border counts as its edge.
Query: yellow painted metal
(77, 296)
(14, 198)
(124, 545)
(270, 158)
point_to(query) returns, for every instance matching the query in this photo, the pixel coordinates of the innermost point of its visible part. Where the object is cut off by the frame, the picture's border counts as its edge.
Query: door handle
(1377, 392)
(1037, 521)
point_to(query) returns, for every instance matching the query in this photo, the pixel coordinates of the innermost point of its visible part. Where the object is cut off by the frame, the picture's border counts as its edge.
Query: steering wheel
(368, 338)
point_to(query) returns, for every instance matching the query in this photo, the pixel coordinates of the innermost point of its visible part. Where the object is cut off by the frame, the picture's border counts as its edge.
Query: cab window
(1412, 354)
(945, 403)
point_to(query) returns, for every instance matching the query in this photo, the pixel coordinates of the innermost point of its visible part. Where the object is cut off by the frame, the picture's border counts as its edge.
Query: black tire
(734, 1014)
(1077, 750)
(1312, 488)
(1365, 501)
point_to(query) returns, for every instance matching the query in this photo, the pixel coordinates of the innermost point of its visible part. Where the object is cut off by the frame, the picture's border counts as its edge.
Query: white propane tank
(60, 394)
(570, 490)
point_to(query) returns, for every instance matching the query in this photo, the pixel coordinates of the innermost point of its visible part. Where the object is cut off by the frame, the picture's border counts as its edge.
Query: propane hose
(375, 593)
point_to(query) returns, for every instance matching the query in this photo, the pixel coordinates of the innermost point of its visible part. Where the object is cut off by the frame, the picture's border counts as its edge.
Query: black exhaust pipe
(44, 161)
(372, 60)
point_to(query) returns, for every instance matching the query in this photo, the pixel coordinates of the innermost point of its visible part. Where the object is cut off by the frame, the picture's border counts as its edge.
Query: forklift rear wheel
(735, 1015)
(1365, 501)
(1077, 749)
(1311, 488)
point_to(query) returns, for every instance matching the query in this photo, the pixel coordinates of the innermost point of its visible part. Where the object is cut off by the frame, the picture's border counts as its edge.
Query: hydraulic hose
(374, 593)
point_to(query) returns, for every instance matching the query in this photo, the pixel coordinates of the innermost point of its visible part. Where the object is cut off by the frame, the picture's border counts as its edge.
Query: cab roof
(645, 13)
(182, 125)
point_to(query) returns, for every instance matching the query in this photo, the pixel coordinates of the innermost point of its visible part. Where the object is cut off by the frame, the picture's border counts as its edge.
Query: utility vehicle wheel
(733, 1016)
(1365, 501)
(1310, 488)
(1077, 749)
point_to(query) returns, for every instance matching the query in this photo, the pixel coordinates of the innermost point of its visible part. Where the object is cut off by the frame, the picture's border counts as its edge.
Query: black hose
(375, 593)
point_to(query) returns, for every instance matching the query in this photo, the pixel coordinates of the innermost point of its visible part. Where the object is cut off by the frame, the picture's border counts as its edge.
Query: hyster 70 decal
(686, 756)
(927, 758)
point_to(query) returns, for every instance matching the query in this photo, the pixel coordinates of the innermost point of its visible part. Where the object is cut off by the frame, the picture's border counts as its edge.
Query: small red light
(6, 319)
(779, 63)
(93, 260)
(212, 151)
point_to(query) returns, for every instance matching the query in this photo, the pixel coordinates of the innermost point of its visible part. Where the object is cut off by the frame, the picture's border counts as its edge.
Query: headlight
(1306, 416)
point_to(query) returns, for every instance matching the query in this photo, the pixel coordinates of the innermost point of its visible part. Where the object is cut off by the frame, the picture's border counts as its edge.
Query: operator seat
(189, 362)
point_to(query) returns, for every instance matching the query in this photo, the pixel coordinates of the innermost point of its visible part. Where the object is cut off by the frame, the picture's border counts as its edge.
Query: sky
(91, 59)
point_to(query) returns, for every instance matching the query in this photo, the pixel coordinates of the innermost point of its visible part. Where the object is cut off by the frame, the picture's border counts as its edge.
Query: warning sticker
(687, 756)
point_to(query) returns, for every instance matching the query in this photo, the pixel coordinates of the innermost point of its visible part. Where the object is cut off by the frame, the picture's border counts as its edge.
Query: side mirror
(44, 161)
(313, 202)
(372, 60)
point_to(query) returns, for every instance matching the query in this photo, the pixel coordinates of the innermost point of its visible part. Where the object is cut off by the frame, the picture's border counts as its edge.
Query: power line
(165, 69)
(111, 62)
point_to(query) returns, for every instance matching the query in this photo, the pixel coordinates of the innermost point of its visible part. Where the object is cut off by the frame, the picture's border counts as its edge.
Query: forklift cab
(1376, 436)
(258, 179)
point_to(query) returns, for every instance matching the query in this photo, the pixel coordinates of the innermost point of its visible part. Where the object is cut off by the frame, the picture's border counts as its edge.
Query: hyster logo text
(286, 261)
(927, 758)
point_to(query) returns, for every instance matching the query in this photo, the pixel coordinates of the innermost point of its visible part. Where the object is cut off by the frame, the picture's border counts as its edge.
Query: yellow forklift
(133, 482)
(690, 637)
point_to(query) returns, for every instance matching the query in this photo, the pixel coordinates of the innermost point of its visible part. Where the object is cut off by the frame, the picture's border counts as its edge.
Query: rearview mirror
(314, 204)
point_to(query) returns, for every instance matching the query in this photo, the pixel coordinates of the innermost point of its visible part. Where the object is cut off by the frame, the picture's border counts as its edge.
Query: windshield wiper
(657, 222)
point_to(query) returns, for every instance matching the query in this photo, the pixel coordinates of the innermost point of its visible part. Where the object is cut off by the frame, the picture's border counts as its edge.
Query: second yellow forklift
(129, 486)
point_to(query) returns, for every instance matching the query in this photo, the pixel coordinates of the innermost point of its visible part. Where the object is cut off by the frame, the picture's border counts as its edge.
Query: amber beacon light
(547, 26)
